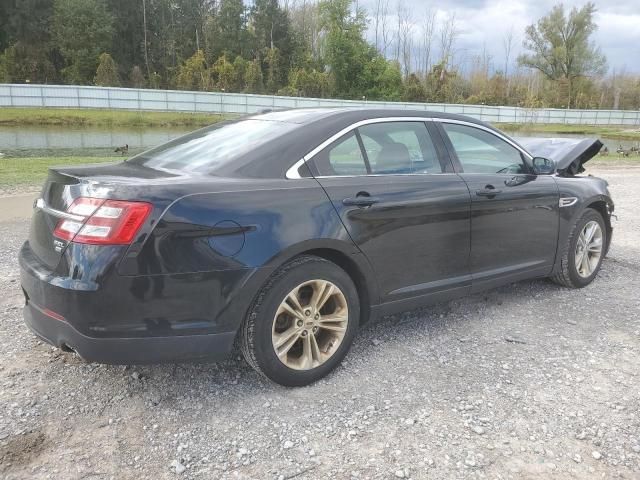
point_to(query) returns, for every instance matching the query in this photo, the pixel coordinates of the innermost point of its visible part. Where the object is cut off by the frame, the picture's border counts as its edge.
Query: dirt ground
(528, 381)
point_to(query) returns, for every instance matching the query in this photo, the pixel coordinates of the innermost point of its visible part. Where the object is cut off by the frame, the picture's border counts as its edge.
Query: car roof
(303, 116)
(312, 127)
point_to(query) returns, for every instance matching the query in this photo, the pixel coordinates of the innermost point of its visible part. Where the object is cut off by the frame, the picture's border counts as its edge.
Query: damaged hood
(569, 154)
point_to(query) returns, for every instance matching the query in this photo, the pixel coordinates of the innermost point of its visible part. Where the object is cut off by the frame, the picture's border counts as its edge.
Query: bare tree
(428, 29)
(448, 35)
(384, 27)
(405, 37)
(381, 11)
(507, 45)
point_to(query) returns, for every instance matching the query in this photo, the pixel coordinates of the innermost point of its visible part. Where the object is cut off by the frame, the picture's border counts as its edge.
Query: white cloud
(483, 24)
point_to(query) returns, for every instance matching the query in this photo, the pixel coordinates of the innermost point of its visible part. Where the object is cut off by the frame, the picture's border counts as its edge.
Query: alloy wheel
(588, 249)
(310, 324)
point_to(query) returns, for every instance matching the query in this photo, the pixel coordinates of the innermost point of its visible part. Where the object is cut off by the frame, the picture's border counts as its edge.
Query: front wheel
(302, 322)
(584, 251)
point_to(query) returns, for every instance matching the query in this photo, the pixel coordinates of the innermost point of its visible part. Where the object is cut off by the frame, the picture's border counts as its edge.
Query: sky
(483, 24)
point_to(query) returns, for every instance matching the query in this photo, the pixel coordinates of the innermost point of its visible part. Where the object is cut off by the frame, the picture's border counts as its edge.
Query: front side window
(482, 152)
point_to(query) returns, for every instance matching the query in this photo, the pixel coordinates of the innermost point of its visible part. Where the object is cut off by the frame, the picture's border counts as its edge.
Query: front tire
(302, 322)
(583, 252)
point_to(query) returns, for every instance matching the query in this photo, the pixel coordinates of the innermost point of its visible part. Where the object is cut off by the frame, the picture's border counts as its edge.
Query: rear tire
(583, 251)
(302, 322)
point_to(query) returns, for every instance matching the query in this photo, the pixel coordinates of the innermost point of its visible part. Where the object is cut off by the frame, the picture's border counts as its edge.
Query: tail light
(102, 222)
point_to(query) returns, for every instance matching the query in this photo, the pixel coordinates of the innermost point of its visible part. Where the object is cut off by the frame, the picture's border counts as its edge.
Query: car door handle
(360, 201)
(488, 191)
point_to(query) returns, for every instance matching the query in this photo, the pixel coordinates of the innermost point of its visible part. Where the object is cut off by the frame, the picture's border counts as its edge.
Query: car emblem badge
(58, 245)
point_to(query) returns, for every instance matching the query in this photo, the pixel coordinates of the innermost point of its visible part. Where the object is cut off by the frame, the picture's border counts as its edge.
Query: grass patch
(15, 172)
(111, 118)
(618, 133)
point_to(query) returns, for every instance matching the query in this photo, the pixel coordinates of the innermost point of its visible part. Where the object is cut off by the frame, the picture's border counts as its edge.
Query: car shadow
(232, 378)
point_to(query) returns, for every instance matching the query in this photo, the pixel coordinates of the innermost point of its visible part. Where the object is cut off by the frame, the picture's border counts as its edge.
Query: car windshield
(211, 147)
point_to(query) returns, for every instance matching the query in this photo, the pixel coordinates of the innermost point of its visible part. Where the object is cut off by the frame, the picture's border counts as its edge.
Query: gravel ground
(528, 381)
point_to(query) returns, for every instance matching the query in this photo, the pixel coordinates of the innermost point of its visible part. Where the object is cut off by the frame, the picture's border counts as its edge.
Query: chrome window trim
(294, 174)
(42, 205)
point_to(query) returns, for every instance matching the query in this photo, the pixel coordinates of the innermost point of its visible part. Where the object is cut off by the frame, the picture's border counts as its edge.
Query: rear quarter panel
(249, 225)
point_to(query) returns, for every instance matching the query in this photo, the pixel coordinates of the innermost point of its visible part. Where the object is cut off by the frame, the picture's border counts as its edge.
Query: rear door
(403, 206)
(514, 213)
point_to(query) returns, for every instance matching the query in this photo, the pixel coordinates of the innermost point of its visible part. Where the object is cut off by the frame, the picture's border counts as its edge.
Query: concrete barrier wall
(69, 96)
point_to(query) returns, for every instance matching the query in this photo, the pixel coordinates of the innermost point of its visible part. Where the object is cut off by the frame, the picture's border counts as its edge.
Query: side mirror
(543, 166)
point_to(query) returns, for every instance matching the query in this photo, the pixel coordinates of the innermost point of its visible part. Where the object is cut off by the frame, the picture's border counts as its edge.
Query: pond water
(61, 141)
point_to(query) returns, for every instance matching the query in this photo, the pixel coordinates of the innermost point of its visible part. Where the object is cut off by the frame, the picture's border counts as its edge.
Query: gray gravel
(528, 381)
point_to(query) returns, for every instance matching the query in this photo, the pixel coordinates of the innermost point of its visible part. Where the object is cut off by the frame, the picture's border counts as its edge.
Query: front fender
(588, 192)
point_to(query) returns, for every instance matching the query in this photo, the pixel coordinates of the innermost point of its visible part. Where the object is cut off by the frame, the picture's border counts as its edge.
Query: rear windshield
(209, 148)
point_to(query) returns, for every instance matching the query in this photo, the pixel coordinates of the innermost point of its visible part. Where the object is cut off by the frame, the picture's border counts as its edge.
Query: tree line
(312, 48)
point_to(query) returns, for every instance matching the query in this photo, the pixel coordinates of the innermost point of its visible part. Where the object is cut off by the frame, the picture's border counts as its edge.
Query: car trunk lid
(65, 184)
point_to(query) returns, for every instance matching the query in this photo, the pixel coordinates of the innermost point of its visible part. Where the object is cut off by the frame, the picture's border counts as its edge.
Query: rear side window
(480, 151)
(343, 157)
(211, 147)
(389, 148)
(399, 148)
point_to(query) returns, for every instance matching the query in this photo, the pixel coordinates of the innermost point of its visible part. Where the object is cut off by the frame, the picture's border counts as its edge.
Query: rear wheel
(302, 322)
(584, 251)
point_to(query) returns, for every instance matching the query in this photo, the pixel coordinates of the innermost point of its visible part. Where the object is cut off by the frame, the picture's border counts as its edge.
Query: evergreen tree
(107, 72)
(273, 60)
(253, 77)
(82, 29)
(346, 50)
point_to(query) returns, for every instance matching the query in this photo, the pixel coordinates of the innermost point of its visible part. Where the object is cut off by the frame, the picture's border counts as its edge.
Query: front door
(514, 213)
(410, 218)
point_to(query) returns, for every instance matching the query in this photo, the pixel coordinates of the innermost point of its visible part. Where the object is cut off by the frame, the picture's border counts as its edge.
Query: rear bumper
(125, 351)
(113, 319)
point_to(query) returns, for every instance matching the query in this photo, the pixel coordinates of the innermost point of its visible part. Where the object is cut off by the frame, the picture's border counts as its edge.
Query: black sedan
(285, 232)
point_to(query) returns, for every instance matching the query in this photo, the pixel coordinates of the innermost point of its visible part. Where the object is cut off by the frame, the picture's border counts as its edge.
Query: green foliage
(193, 74)
(346, 50)
(24, 62)
(253, 78)
(136, 78)
(155, 80)
(560, 46)
(308, 84)
(239, 68)
(313, 48)
(442, 83)
(82, 30)
(382, 80)
(414, 90)
(226, 31)
(107, 72)
(273, 61)
(224, 74)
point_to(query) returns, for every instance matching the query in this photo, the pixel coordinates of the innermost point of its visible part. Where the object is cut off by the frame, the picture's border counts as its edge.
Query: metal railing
(69, 96)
